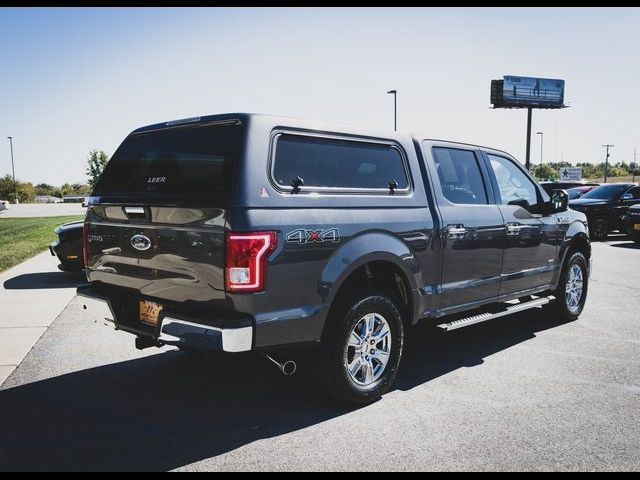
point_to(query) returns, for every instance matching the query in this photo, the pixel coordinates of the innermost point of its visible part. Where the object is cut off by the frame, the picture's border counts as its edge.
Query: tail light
(85, 244)
(245, 269)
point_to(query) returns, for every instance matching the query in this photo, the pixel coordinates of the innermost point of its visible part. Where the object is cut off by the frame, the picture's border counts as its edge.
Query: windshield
(575, 193)
(194, 163)
(606, 192)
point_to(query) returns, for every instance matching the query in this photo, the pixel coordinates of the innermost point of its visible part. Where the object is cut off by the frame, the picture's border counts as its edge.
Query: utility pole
(606, 161)
(527, 160)
(395, 109)
(13, 170)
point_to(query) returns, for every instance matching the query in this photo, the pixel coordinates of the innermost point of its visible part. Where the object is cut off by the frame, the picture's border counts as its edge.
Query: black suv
(605, 206)
(632, 222)
(244, 232)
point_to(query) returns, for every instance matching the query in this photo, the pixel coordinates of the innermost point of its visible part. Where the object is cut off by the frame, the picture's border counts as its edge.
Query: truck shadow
(42, 280)
(631, 245)
(171, 409)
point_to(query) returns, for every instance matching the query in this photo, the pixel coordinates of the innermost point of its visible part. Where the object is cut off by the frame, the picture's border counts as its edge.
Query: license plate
(149, 312)
(636, 226)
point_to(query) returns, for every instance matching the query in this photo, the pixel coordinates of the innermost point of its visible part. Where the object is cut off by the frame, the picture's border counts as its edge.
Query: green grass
(22, 238)
(628, 179)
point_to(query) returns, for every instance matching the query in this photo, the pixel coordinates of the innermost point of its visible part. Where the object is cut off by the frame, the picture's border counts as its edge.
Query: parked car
(605, 205)
(551, 186)
(68, 246)
(632, 223)
(245, 232)
(3, 207)
(577, 192)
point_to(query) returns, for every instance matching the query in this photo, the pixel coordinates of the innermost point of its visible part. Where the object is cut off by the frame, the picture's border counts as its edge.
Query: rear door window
(460, 177)
(337, 164)
(195, 162)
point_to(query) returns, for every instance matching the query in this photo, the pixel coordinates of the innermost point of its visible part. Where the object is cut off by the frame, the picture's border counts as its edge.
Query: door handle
(454, 232)
(514, 229)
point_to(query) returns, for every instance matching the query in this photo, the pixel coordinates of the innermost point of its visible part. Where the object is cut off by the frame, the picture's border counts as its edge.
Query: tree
(96, 161)
(544, 171)
(617, 171)
(26, 192)
(81, 189)
(8, 188)
(45, 189)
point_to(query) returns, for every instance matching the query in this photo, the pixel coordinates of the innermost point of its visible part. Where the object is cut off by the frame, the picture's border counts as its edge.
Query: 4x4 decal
(303, 236)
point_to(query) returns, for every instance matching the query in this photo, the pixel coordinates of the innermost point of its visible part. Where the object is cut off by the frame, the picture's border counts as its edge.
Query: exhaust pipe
(288, 368)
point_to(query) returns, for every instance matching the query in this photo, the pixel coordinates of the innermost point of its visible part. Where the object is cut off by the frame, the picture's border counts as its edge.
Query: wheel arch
(376, 260)
(576, 240)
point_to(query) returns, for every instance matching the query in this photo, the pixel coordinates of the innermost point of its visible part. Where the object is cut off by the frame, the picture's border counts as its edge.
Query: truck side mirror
(559, 201)
(520, 202)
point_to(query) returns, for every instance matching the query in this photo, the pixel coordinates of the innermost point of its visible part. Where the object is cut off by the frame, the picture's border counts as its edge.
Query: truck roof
(306, 124)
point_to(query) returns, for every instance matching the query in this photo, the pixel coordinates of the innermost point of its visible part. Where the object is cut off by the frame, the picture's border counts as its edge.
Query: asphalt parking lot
(43, 210)
(518, 393)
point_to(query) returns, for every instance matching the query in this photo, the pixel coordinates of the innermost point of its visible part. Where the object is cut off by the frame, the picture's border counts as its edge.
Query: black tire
(560, 310)
(333, 352)
(598, 229)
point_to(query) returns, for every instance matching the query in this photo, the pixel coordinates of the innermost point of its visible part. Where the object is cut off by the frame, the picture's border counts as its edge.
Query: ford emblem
(141, 242)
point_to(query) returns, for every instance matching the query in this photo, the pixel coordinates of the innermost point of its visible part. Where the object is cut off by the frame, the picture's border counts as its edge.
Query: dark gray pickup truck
(243, 232)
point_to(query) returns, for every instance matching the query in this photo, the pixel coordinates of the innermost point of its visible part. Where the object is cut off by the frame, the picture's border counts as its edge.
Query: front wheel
(599, 229)
(361, 349)
(571, 293)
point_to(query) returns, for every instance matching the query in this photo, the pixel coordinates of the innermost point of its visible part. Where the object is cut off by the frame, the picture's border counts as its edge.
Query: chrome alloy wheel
(573, 290)
(368, 349)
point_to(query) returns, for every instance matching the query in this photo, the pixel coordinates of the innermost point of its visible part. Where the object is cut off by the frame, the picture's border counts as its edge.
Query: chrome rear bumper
(179, 332)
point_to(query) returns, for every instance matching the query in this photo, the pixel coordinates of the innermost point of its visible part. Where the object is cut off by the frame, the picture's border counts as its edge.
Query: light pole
(13, 170)
(541, 140)
(395, 111)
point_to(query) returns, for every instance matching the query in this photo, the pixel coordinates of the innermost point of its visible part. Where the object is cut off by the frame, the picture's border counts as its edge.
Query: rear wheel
(599, 229)
(361, 349)
(571, 293)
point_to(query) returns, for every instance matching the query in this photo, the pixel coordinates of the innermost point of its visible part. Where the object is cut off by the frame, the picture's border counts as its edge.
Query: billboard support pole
(527, 162)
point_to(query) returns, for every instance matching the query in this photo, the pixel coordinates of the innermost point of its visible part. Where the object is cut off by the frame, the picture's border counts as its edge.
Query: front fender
(363, 249)
(577, 231)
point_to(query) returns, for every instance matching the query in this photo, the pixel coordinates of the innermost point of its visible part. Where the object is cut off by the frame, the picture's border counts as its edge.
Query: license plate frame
(149, 312)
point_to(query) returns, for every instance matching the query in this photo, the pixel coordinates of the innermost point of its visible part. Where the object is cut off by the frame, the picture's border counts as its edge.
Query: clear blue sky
(76, 79)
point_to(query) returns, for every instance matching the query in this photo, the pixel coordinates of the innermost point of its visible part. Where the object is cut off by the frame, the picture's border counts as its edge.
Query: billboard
(570, 173)
(524, 92)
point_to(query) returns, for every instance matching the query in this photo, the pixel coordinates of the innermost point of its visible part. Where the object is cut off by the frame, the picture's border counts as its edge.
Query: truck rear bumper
(181, 332)
(175, 331)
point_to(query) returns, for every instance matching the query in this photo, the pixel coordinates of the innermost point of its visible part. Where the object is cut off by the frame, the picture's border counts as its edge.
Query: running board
(483, 317)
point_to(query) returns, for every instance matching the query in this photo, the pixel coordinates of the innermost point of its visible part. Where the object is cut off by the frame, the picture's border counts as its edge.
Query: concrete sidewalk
(32, 295)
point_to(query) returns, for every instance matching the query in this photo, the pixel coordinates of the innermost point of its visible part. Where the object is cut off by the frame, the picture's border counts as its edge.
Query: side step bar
(483, 317)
